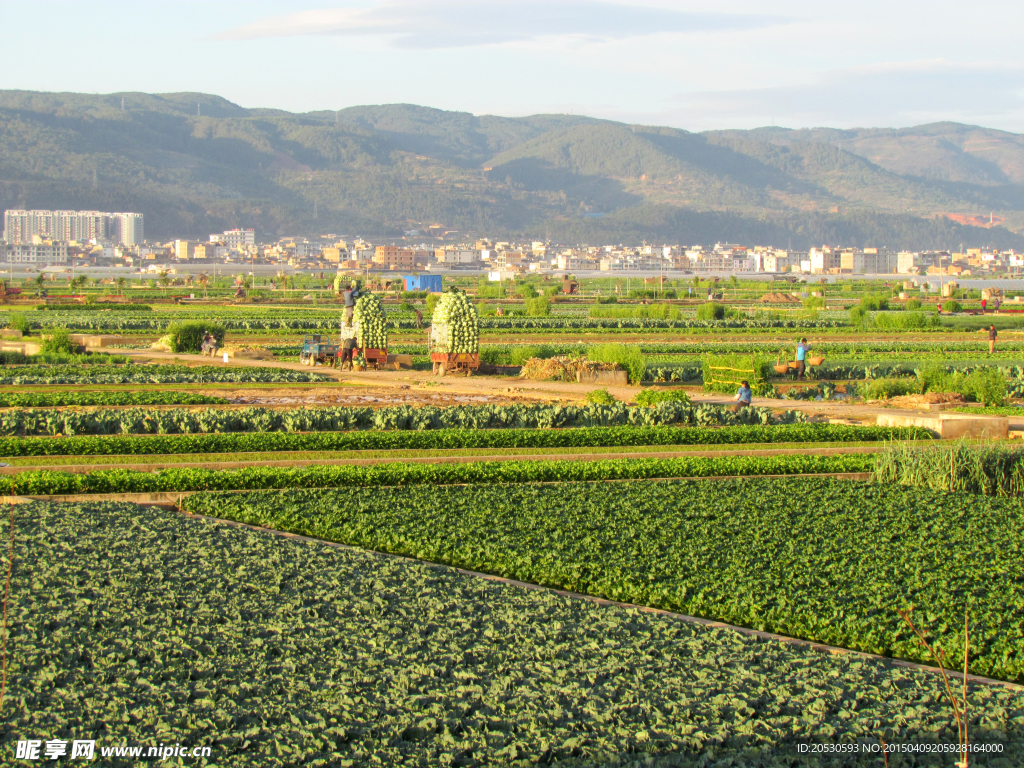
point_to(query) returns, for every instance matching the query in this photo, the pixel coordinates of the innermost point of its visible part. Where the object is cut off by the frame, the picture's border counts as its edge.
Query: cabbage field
(140, 625)
(824, 560)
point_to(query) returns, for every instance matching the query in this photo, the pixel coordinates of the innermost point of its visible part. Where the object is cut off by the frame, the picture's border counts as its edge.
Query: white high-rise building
(21, 226)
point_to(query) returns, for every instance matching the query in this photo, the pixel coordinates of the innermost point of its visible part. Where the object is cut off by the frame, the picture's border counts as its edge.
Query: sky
(691, 65)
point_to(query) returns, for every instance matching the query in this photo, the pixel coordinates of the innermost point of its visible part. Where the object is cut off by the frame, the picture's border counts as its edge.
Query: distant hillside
(196, 163)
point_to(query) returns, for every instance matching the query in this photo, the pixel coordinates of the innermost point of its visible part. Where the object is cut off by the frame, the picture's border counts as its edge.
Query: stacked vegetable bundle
(370, 323)
(455, 326)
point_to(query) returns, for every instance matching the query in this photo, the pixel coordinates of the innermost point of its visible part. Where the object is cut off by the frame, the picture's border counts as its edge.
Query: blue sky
(693, 65)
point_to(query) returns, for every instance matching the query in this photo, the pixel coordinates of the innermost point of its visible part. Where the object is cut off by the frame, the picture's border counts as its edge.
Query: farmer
(743, 395)
(419, 320)
(801, 359)
(350, 297)
(984, 302)
(348, 346)
(992, 339)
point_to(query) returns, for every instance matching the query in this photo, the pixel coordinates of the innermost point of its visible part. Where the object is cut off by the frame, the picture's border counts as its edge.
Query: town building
(20, 226)
(38, 253)
(235, 239)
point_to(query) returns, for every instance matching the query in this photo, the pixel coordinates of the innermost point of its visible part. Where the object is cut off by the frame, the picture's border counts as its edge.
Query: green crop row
(820, 559)
(141, 421)
(278, 653)
(152, 374)
(442, 439)
(59, 399)
(49, 482)
(330, 319)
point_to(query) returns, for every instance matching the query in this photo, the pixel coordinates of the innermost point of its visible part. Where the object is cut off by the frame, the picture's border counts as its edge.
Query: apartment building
(20, 226)
(906, 262)
(392, 257)
(39, 253)
(184, 250)
(509, 260)
(824, 261)
(235, 239)
(456, 256)
(572, 263)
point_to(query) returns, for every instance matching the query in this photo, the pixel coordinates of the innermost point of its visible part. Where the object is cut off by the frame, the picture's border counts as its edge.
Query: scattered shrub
(601, 397)
(628, 357)
(952, 306)
(431, 303)
(814, 302)
(881, 389)
(875, 303)
(914, 304)
(711, 310)
(18, 322)
(985, 385)
(898, 321)
(58, 341)
(538, 307)
(188, 336)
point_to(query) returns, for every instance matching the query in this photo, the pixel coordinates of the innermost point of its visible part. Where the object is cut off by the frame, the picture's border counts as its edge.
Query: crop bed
(68, 398)
(151, 374)
(581, 437)
(824, 560)
(282, 653)
(404, 417)
(47, 482)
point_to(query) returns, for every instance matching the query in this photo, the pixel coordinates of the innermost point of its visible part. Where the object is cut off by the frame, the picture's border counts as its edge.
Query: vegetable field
(151, 374)
(330, 419)
(53, 483)
(581, 437)
(282, 653)
(823, 560)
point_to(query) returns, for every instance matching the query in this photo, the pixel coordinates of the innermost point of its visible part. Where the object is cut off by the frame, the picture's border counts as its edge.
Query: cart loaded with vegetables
(454, 334)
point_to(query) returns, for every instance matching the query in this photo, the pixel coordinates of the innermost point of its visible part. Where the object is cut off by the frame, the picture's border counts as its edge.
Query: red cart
(378, 358)
(445, 362)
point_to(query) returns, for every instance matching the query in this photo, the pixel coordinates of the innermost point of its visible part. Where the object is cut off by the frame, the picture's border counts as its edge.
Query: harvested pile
(929, 398)
(371, 326)
(780, 298)
(454, 326)
(561, 368)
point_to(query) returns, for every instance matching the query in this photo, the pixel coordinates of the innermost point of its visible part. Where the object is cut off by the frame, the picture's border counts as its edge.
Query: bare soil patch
(373, 397)
(931, 398)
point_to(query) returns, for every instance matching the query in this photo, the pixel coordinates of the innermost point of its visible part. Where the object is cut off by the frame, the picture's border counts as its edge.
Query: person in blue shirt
(743, 396)
(801, 358)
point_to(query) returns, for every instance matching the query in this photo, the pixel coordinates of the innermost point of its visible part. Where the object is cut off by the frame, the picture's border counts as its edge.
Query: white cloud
(464, 23)
(889, 94)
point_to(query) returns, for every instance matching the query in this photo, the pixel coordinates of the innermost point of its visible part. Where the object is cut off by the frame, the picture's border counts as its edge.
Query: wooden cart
(452, 362)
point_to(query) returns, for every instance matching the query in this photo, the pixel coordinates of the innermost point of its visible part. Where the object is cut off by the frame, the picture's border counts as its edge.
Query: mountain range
(196, 163)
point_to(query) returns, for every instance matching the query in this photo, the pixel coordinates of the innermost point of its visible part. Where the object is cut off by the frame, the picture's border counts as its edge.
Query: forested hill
(196, 163)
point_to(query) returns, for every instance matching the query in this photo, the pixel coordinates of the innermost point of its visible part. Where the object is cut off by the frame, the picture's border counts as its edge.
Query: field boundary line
(710, 623)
